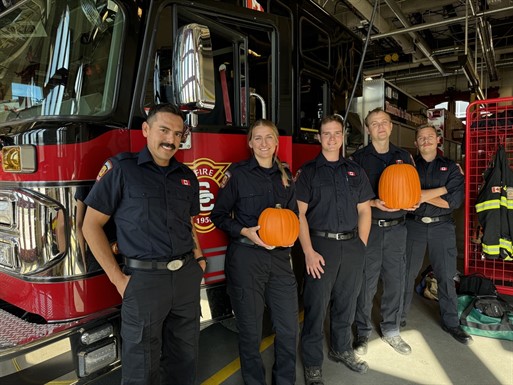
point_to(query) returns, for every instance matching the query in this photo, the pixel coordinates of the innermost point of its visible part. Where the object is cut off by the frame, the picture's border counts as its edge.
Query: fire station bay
(323, 193)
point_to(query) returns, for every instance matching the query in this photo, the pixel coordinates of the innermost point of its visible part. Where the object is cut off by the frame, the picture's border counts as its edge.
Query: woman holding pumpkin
(258, 274)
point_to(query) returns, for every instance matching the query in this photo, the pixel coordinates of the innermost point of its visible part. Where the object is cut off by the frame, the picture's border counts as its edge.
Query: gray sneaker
(360, 345)
(313, 375)
(349, 359)
(398, 344)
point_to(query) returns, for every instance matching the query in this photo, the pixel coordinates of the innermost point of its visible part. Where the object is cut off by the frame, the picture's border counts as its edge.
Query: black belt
(246, 241)
(345, 236)
(249, 242)
(172, 264)
(427, 220)
(387, 222)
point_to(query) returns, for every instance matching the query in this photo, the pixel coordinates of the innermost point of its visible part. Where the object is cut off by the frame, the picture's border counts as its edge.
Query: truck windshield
(58, 57)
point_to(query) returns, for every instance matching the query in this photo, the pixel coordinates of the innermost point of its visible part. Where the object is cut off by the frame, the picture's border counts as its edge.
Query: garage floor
(436, 357)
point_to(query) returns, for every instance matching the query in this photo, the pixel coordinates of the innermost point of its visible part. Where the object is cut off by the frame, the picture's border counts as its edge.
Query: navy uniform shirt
(374, 164)
(332, 191)
(246, 190)
(151, 205)
(438, 173)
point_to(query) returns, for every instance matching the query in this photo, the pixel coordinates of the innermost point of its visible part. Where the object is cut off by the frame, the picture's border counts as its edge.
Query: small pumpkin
(399, 186)
(278, 226)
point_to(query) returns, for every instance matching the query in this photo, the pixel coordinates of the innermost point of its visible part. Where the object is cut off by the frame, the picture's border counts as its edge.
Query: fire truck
(76, 80)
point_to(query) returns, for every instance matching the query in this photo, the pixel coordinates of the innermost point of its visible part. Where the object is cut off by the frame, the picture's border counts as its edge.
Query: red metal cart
(489, 123)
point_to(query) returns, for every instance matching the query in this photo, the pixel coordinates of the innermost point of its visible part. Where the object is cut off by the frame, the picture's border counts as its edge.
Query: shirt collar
(438, 158)
(253, 163)
(146, 157)
(322, 161)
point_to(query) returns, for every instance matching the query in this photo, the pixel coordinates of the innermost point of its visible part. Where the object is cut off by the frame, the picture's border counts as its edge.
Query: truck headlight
(96, 358)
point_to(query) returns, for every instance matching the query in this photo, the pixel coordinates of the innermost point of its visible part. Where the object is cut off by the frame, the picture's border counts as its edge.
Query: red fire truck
(76, 79)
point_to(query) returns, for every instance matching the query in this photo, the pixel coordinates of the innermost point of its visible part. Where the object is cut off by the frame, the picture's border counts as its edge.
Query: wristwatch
(202, 258)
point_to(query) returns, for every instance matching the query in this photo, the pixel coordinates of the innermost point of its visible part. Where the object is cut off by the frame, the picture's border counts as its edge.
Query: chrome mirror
(193, 72)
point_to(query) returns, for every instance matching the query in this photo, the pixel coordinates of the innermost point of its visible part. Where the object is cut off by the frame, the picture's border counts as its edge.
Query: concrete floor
(436, 357)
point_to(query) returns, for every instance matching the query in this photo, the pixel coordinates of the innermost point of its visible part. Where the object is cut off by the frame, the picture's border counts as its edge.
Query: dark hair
(164, 107)
(171, 109)
(375, 111)
(331, 118)
(425, 126)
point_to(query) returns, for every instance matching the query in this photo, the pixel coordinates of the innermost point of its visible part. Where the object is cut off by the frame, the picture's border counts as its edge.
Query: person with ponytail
(258, 274)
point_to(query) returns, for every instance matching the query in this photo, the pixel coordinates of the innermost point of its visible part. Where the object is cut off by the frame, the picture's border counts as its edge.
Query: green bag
(479, 324)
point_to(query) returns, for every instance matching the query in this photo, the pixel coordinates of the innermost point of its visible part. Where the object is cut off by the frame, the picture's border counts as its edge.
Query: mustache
(172, 145)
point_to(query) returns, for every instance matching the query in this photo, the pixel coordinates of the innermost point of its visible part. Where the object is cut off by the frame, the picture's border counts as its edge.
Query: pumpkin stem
(278, 206)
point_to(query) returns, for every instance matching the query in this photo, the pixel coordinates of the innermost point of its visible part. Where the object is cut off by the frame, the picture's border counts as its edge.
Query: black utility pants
(384, 258)
(439, 239)
(337, 288)
(257, 277)
(160, 326)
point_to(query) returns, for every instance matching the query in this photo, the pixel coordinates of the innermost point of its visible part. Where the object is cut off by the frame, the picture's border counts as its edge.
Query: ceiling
(422, 39)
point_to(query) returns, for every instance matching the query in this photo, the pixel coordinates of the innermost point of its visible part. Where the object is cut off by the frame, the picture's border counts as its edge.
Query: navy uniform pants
(384, 258)
(257, 277)
(336, 288)
(440, 240)
(160, 326)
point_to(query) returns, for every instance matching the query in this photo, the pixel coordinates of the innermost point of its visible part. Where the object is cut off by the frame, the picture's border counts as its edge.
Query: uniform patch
(351, 173)
(443, 168)
(107, 166)
(226, 178)
(496, 189)
(186, 182)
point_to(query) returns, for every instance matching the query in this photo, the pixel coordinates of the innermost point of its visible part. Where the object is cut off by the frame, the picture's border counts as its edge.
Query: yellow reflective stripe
(508, 203)
(491, 249)
(505, 243)
(493, 204)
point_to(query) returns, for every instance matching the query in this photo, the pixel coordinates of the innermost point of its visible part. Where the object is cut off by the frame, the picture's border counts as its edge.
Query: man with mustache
(431, 227)
(153, 199)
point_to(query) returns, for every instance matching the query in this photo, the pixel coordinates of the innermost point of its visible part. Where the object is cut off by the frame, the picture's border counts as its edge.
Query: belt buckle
(426, 220)
(339, 236)
(175, 264)
(381, 222)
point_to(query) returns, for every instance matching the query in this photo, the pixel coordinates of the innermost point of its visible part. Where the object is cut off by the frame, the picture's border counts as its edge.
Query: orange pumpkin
(399, 186)
(278, 227)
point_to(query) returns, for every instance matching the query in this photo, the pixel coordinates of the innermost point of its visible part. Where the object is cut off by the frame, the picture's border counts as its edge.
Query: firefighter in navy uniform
(431, 226)
(152, 198)
(257, 274)
(385, 254)
(335, 218)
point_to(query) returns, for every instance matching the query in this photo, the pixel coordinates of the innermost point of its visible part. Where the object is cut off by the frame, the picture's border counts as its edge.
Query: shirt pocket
(144, 191)
(181, 200)
(322, 188)
(252, 202)
(145, 202)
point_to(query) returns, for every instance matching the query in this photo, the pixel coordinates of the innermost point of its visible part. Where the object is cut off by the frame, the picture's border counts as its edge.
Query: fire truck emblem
(209, 174)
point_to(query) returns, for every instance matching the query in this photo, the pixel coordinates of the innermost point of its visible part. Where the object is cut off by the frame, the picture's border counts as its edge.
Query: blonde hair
(267, 123)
